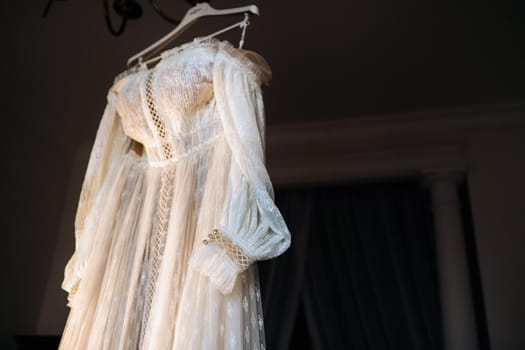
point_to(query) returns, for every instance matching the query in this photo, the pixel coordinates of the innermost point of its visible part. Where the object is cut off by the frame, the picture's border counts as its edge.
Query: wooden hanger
(199, 10)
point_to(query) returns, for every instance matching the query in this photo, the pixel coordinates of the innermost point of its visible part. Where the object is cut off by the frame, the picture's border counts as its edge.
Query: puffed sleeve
(251, 227)
(106, 154)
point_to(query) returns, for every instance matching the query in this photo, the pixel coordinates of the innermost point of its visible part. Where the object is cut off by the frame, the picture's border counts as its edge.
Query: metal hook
(244, 25)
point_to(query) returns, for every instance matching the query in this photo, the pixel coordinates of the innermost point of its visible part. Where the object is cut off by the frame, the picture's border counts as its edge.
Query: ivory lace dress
(167, 240)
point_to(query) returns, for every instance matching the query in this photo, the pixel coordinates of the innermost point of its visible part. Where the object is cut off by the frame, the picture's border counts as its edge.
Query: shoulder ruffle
(250, 60)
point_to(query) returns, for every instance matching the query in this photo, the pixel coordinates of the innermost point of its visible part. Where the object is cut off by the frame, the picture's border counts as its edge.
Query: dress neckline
(261, 69)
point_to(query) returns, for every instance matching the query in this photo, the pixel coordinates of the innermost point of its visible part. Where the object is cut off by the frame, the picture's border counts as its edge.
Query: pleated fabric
(141, 276)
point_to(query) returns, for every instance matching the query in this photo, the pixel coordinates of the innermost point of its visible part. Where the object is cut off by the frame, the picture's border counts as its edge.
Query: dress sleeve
(251, 227)
(106, 154)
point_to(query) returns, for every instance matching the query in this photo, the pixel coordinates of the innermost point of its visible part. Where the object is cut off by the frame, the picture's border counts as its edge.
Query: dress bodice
(170, 108)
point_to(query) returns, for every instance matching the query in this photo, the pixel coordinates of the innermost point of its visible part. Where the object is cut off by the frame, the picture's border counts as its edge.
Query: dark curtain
(361, 270)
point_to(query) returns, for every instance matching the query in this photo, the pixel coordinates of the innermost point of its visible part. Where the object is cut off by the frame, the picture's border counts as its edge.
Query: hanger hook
(244, 25)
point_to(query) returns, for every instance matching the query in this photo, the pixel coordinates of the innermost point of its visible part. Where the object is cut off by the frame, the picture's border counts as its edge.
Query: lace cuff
(71, 278)
(71, 294)
(234, 251)
(220, 260)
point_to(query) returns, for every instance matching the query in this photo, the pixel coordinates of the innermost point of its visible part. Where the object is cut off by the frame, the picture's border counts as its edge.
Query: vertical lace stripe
(160, 227)
(158, 122)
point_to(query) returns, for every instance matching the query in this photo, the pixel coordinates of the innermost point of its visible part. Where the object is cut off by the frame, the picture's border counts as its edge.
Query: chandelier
(127, 10)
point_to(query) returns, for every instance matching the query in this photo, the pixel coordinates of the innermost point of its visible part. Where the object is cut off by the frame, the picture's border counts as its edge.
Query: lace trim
(262, 70)
(158, 123)
(158, 240)
(230, 248)
(160, 229)
(203, 147)
(129, 72)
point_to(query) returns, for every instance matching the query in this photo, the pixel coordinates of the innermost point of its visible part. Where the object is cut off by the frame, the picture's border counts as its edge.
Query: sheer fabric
(141, 275)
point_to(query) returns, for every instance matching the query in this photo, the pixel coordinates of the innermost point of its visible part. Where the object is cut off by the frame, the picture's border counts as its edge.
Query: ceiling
(330, 60)
(342, 59)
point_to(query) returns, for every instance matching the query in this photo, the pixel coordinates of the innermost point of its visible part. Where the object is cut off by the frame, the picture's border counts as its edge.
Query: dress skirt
(139, 290)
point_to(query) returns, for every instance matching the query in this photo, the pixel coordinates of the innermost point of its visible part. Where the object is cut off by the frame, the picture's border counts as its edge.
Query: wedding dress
(167, 240)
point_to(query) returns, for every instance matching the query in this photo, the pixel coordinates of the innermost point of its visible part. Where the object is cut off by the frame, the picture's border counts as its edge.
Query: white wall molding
(397, 145)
